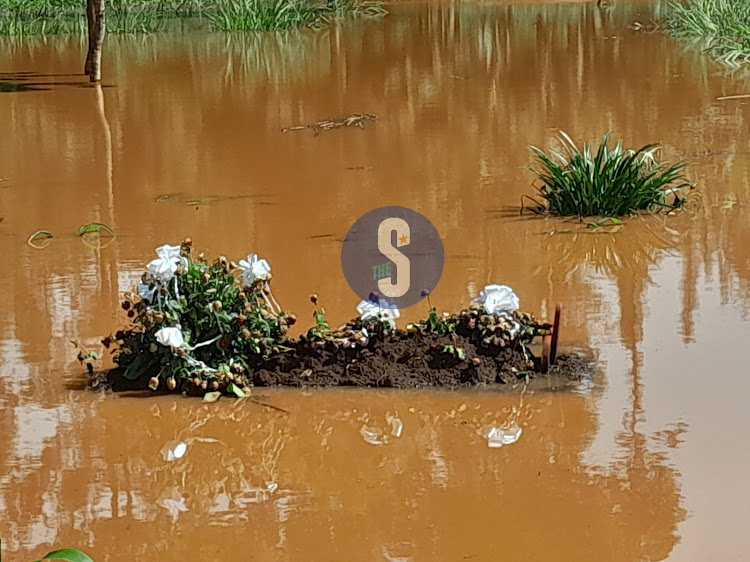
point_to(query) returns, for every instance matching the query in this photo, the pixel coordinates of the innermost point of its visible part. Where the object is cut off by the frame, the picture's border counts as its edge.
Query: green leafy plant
(606, 181)
(321, 329)
(435, 323)
(67, 555)
(723, 24)
(195, 326)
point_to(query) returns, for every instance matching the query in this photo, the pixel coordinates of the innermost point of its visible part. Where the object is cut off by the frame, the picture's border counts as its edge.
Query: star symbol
(402, 240)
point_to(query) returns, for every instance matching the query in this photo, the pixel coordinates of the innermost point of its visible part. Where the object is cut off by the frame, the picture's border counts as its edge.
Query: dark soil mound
(394, 359)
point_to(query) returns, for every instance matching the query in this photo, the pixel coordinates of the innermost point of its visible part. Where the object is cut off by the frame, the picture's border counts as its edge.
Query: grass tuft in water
(46, 17)
(263, 15)
(606, 181)
(724, 24)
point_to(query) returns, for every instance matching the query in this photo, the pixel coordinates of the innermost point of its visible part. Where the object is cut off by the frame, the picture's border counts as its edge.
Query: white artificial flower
(171, 337)
(496, 299)
(254, 268)
(147, 292)
(164, 267)
(369, 309)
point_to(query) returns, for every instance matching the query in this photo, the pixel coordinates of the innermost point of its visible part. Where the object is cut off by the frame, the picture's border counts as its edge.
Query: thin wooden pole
(555, 334)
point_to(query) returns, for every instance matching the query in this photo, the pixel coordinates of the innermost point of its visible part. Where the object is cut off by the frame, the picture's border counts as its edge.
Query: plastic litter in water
(272, 486)
(397, 426)
(371, 436)
(499, 436)
(174, 450)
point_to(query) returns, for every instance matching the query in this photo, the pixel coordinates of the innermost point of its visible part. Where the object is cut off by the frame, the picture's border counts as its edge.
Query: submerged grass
(47, 17)
(724, 24)
(608, 181)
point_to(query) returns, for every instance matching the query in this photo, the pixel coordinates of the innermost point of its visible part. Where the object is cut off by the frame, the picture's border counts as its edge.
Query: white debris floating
(499, 436)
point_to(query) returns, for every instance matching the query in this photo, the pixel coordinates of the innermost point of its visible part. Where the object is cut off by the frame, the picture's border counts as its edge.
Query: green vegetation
(67, 555)
(608, 182)
(195, 324)
(47, 17)
(725, 25)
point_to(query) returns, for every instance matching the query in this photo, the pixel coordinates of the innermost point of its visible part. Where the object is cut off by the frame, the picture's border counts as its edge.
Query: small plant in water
(606, 181)
(724, 24)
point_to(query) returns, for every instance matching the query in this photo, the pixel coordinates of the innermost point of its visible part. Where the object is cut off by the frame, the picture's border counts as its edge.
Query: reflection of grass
(724, 23)
(46, 17)
(608, 181)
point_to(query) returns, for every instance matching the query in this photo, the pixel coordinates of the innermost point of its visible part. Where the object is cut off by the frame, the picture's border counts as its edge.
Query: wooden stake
(555, 334)
(546, 342)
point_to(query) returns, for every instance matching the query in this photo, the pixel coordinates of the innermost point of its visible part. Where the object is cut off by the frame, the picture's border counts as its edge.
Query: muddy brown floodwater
(648, 462)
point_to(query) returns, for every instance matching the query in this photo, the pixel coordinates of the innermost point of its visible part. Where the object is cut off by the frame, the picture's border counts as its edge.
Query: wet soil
(395, 359)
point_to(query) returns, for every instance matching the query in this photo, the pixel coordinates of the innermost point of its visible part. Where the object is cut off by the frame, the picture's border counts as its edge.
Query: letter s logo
(401, 262)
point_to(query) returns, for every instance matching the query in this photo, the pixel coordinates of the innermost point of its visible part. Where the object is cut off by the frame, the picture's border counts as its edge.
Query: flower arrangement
(197, 324)
(216, 328)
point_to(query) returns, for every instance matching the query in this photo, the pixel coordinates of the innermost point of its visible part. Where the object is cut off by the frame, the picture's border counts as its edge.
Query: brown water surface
(648, 462)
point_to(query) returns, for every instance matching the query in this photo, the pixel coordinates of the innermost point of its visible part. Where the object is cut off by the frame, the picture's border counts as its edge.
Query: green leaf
(94, 227)
(236, 390)
(41, 232)
(212, 396)
(69, 554)
(461, 353)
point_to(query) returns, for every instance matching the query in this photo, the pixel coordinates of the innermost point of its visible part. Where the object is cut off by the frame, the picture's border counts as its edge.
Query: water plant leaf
(236, 390)
(40, 232)
(94, 227)
(212, 396)
(604, 221)
(68, 554)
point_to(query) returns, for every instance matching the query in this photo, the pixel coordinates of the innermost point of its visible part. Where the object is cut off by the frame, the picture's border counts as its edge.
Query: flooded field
(647, 463)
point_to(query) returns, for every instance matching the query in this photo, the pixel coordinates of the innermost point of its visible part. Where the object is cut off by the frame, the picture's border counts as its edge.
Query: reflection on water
(185, 139)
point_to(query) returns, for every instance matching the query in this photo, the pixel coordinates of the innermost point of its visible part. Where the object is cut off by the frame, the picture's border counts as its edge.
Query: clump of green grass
(606, 181)
(259, 15)
(44, 17)
(263, 15)
(724, 24)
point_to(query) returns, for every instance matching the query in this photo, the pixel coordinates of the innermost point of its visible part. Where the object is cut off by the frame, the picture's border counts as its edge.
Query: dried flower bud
(131, 313)
(205, 277)
(126, 305)
(153, 384)
(152, 347)
(291, 319)
(179, 271)
(187, 241)
(217, 306)
(242, 320)
(171, 383)
(245, 333)
(204, 385)
(232, 265)
(197, 381)
(159, 317)
(214, 385)
(314, 298)
(242, 296)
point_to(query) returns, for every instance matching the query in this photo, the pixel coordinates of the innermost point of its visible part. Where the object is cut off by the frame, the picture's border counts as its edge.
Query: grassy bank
(48, 17)
(724, 24)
